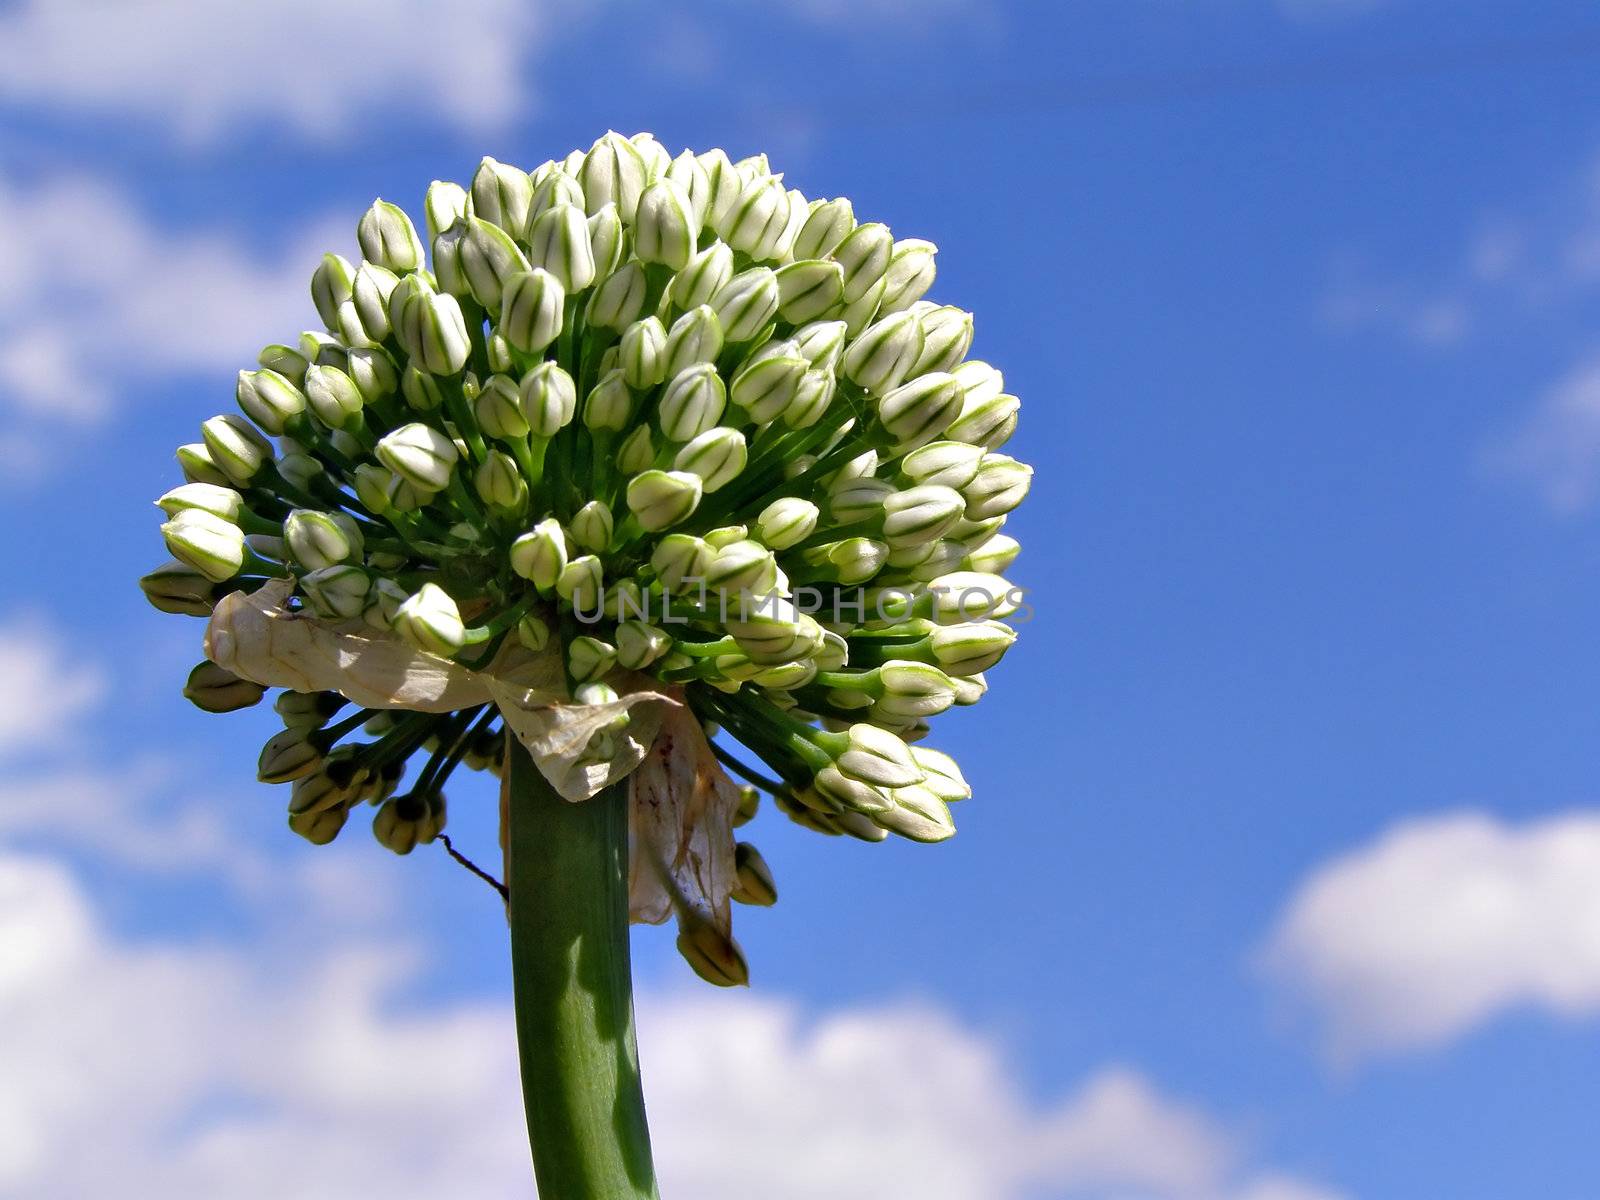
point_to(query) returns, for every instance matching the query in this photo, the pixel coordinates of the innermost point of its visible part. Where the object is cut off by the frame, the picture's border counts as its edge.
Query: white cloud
(41, 692)
(1442, 925)
(1557, 449)
(202, 70)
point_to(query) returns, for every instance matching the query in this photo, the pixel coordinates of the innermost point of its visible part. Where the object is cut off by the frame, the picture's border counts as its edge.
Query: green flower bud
(912, 690)
(285, 360)
(749, 805)
(337, 593)
(287, 756)
(821, 343)
(917, 412)
(388, 238)
(917, 814)
(746, 303)
(970, 596)
(951, 464)
(724, 183)
(680, 557)
(613, 172)
(617, 302)
(431, 329)
(853, 560)
(688, 174)
(533, 632)
(666, 227)
(811, 399)
(858, 314)
(421, 391)
(384, 603)
(580, 581)
(875, 756)
(660, 499)
(405, 822)
(489, 261)
(319, 828)
(235, 447)
(208, 543)
(727, 535)
(605, 240)
(971, 648)
(540, 555)
(268, 399)
(755, 223)
(765, 386)
(318, 792)
(769, 629)
(713, 955)
(559, 243)
(208, 497)
(591, 526)
(879, 359)
(372, 484)
(549, 399)
(214, 690)
(852, 499)
(920, 515)
(444, 204)
(787, 522)
(499, 483)
(448, 268)
(992, 556)
(502, 195)
(639, 644)
(319, 539)
(706, 273)
(743, 566)
(946, 338)
(864, 253)
(499, 411)
(553, 191)
(176, 587)
(692, 402)
(827, 224)
(753, 883)
(989, 423)
(589, 658)
(809, 288)
(334, 397)
(430, 621)
(643, 355)
(695, 337)
(420, 455)
(610, 402)
(307, 710)
(909, 275)
(332, 285)
(999, 486)
(637, 451)
(198, 466)
(838, 790)
(718, 456)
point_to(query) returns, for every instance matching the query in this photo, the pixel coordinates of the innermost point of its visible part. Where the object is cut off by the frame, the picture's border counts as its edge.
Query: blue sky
(1282, 879)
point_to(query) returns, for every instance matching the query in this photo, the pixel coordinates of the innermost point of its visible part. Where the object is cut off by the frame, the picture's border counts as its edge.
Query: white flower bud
(681, 557)
(918, 815)
(331, 286)
(499, 411)
(559, 242)
(827, 224)
(980, 382)
(301, 470)
(809, 288)
(444, 205)
(853, 560)
(388, 238)
(235, 447)
(268, 399)
(917, 412)
(912, 690)
(992, 556)
(952, 464)
(637, 451)
(610, 402)
(430, 621)
(755, 223)
(909, 275)
(769, 629)
(946, 338)
(490, 259)
(666, 227)
(613, 172)
(549, 399)
(837, 789)
(971, 648)
(334, 397)
(881, 356)
(692, 402)
(875, 756)
(766, 384)
(753, 883)
(707, 272)
(373, 373)
(384, 603)
(533, 632)
(502, 195)
(220, 501)
(864, 254)
(656, 158)
(639, 644)
(989, 424)
(321, 827)
(999, 486)
(821, 343)
(660, 499)
(318, 792)
(970, 596)
(643, 353)
(605, 240)
(448, 268)
(421, 391)
(727, 535)
(723, 185)
(687, 172)
(920, 515)
(743, 566)
(499, 483)
(431, 329)
(617, 302)
(811, 399)
(718, 456)
(319, 539)
(307, 710)
(176, 587)
(695, 337)
(337, 593)
(540, 555)
(852, 499)
(532, 310)
(589, 658)
(287, 756)
(580, 581)
(747, 303)
(420, 455)
(591, 526)
(787, 522)
(552, 191)
(285, 360)
(214, 690)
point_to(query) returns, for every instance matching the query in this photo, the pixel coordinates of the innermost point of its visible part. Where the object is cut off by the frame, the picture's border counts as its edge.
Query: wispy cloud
(43, 688)
(1557, 448)
(1442, 925)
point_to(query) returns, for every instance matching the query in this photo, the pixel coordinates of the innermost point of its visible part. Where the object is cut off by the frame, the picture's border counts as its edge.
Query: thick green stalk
(567, 871)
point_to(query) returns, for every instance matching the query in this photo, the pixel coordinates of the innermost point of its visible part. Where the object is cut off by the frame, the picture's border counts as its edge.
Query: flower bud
(753, 883)
(490, 260)
(692, 402)
(718, 456)
(384, 603)
(992, 556)
(639, 644)
(917, 814)
(405, 822)
(875, 756)
(605, 240)
(549, 399)
(637, 451)
(235, 447)
(920, 515)
(681, 558)
(837, 790)
(580, 581)
(666, 228)
(195, 460)
(755, 223)
(498, 409)
(540, 555)
(909, 275)
(613, 172)
(331, 285)
(713, 955)
(430, 621)
(176, 587)
(448, 268)
(809, 288)
(420, 455)
(858, 499)
(769, 629)
(695, 337)
(827, 224)
(742, 566)
(880, 357)
(746, 303)
(787, 522)
(208, 543)
(388, 238)
(989, 424)
(917, 412)
(705, 274)
(660, 499)
(821, 343)
(811, 399)
(307, 710)
(320, 827)
(765, 386)
(421, 391)
(318, 792)
(951, 464)
(971, 648)
(610, 402)
(338, 593)
(970, 596)
(553, 190)
(533, 632)
(502, 195)
(591, 526)
(208, 497)
(319, 539)
(287, 756)
(559, 243)
(444, 205)
(853, 560)
(912, 690)
(858, 314)
(864, 254)
(643, 353)
(723, 183)
(334, 397)
(499, 483)
(214, 690)
(589, 658)
(617, 302)
(430, 328)
(946, 338)
(285, 360)
(999, 486)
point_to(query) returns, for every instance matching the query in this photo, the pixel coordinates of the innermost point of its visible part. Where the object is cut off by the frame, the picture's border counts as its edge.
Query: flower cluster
(658, 415)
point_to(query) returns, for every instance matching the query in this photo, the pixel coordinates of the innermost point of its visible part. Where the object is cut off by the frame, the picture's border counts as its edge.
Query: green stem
(567, 871)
